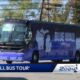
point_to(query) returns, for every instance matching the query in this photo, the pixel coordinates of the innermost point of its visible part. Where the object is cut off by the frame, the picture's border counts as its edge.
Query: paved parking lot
(39, 76)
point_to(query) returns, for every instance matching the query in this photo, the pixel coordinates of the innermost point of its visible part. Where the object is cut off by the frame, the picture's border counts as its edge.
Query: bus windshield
(12, 32)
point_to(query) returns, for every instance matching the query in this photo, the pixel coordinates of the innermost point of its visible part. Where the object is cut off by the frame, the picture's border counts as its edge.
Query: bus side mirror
(0, 35)
(28, 37)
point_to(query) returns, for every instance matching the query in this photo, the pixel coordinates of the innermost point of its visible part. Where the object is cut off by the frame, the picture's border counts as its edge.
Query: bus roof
(52, 25)
(56, 26)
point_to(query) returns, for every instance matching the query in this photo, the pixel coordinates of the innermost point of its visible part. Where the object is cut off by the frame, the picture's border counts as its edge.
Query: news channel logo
(67, 68)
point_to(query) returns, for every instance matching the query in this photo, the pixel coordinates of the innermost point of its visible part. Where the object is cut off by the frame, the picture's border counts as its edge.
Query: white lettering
(22, 67)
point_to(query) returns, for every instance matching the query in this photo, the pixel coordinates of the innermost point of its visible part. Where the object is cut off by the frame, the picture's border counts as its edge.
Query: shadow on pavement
(12, 78)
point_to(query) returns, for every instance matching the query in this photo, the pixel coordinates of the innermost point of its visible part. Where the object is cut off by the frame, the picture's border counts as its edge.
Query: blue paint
(51, 44)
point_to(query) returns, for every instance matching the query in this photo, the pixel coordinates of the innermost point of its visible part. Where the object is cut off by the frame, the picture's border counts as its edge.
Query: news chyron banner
(54, 68)
(27, 67)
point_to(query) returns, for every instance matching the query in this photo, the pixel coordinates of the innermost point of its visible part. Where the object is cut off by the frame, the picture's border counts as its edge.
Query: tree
(51, 12)
(61, 13)
(76, 11)
(65, 12)
(54, 11)
(16, 9)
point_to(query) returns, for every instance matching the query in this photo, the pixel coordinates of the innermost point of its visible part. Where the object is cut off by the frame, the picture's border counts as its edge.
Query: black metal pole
(48, 11)
(42, 10)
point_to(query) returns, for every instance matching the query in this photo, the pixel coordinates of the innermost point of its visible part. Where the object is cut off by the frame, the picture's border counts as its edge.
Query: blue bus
(23, 40)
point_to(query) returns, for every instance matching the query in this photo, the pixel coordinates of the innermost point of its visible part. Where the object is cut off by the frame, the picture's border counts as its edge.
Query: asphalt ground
(39, 76)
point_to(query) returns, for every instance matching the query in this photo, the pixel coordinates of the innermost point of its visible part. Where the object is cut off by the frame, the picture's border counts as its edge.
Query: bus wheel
(35, 57)
(9, 62)
(77, 57)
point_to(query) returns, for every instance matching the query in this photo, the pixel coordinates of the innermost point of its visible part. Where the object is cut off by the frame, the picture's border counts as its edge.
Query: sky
(3, 1)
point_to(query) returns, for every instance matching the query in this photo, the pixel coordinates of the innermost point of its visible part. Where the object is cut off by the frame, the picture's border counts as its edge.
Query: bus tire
(77, 57)
(35, 57)
(9, 62)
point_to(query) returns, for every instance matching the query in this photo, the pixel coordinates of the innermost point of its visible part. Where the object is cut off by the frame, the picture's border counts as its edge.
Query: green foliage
(65, 13)
(76, 12)
(57, 14)
(20, 6)
(17, 9)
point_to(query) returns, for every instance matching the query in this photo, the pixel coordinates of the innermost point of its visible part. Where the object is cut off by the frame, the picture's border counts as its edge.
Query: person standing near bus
(40, 40)
(48, 43)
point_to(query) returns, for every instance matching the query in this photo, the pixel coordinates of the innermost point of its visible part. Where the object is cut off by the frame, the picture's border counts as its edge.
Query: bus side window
(69, 36)
(58, 36)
